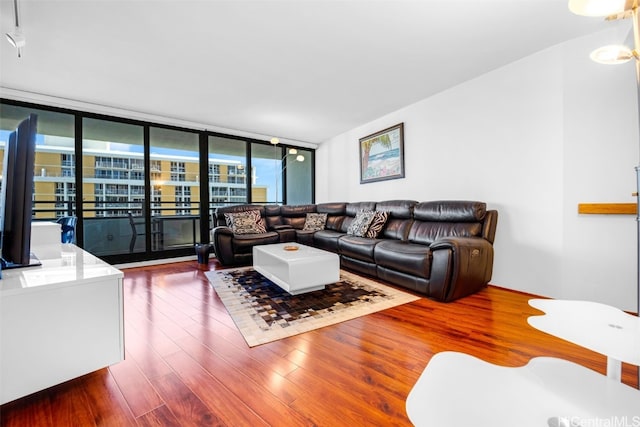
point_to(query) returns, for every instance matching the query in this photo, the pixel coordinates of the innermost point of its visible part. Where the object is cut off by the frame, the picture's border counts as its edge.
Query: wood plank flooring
(187, 365)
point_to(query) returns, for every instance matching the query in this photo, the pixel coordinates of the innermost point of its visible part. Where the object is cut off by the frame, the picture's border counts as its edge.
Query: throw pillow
(315, 221)
(360, 223)
(249, 222)
(377, 224)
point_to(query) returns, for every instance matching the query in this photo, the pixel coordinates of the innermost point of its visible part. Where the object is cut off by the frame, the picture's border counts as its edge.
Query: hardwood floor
(187, 365)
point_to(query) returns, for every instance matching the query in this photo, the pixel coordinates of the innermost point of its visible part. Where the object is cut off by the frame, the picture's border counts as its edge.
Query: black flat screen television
(17, 195)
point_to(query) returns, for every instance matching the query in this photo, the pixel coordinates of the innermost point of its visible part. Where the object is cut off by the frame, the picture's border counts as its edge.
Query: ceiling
(302, 70)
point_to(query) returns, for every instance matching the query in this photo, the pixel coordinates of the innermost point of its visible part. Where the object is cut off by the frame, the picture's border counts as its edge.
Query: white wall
(532, 139)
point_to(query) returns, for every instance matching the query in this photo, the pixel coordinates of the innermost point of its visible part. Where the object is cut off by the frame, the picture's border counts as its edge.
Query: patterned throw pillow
(360, 223)
(315, 221)
(249, 222)
(377, 224)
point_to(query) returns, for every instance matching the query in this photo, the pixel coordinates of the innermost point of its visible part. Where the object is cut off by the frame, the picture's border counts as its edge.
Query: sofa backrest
(220, 220)
(438, 219)
(399, 220)
(422, 222)
(272, 216)
(352, 209)
(295, 215)
(335, 214)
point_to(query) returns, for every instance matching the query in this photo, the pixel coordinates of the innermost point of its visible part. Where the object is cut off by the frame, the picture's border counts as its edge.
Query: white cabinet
(58, 321)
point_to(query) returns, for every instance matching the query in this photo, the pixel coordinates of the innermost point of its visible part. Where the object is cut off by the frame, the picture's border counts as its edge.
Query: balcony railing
(108, 231)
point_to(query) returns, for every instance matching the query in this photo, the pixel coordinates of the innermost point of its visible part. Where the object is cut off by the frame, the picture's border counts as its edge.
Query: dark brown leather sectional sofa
(442, 249)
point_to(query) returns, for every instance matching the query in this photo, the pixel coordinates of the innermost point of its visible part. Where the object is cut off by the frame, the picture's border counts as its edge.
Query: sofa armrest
(222, 240)
(460, 267)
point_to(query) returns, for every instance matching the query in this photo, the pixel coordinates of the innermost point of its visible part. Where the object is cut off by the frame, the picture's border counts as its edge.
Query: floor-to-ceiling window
(298, 169)
(113, 208)
(228, 174)
(175, 187)
(141, 187)
(266, 160)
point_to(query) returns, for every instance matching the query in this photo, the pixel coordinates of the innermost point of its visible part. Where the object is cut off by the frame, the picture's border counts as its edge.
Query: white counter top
(71, 265)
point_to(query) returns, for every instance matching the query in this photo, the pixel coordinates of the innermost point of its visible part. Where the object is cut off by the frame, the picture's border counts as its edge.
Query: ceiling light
(599, 7)
(274, 141)
(300, 158)
(613, 54)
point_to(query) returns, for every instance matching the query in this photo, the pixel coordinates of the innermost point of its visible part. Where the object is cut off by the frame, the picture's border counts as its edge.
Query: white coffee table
(303, 269)
(598, 327)
(457, 389)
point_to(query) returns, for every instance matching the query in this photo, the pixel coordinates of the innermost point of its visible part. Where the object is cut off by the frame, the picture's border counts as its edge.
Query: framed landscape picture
(382, 155)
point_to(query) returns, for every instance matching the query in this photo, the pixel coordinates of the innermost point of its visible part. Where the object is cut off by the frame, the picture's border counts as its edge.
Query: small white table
(457, 389)
(598, 327)
(299, 270)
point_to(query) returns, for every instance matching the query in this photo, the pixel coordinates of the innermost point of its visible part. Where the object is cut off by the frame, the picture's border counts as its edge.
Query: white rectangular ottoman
(296, 268)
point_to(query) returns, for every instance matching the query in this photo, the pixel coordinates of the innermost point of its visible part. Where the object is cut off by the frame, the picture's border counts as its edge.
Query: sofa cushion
(219, 219)
(377, 224)
(244, 243)
(327, 239)
(400, 218)
(360, 223)
(426, 233)
(305, 237)
(335, 214)
(249, 222)
(295, 215)
(352, 209)
(457, 218)
(409, 258)
(286, 233)
(450, 211)
(272, 217)
(315, 221)
(357, 247)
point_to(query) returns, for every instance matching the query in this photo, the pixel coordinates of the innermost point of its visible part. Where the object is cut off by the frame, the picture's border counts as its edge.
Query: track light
(16, 38)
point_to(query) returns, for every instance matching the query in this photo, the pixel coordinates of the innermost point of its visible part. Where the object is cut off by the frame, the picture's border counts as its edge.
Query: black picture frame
(382, 155)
